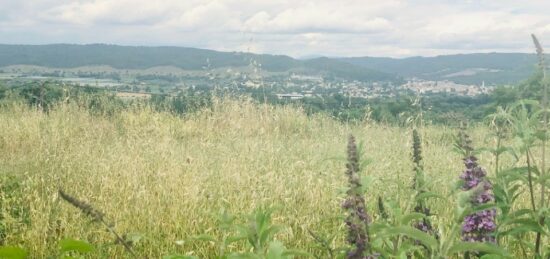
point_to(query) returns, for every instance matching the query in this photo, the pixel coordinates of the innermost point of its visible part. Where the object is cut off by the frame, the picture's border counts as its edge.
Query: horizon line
(305, 57)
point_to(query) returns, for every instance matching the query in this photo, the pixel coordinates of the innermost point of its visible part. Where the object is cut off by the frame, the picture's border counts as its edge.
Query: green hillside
(126, 57)
(493, 68)
(337, 68)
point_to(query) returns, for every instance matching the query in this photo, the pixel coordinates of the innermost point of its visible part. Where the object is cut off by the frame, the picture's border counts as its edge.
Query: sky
(298, 28)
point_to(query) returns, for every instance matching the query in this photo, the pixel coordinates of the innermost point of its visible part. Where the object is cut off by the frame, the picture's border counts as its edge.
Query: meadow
(164, 179)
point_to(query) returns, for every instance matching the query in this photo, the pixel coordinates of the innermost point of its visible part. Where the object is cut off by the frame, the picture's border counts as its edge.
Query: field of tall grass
(164, 179)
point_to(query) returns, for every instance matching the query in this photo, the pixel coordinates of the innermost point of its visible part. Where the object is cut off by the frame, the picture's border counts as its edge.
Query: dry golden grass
(166, 177)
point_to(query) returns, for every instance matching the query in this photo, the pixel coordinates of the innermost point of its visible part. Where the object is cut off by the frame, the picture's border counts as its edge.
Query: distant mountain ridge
(491, 68)
(128, 57)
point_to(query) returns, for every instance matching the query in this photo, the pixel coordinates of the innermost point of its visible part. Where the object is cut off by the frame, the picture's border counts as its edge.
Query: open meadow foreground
(188, 185)
(280, 129)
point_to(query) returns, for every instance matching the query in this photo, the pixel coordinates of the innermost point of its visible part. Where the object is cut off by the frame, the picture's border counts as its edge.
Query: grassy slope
(166, 177)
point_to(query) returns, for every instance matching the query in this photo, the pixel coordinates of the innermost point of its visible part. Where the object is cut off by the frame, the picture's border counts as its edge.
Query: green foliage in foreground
(168, 170)
(161, 177)
(169, 182)
(438, 108)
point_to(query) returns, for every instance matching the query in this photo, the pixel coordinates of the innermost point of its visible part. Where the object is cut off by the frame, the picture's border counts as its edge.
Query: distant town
(290, 86)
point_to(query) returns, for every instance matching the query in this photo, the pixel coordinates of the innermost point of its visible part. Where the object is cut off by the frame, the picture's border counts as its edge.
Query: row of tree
(446, 108)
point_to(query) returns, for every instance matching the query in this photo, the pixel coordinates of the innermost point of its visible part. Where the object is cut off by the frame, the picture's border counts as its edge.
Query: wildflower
(357, 220)
(418, 184)
(479, 226)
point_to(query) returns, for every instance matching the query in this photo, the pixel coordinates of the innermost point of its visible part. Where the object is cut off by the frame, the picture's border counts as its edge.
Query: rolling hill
(127, 57)
(493, 68)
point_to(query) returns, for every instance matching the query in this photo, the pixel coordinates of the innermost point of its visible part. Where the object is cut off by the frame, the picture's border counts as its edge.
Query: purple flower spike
(480, 226)
(357, 220)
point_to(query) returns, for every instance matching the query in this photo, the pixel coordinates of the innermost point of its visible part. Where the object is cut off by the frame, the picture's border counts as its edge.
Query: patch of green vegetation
(123, 57)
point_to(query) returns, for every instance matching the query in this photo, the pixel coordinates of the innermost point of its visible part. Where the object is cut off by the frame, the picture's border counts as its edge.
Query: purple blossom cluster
(356, 222)
(478, 227)
(424, 224)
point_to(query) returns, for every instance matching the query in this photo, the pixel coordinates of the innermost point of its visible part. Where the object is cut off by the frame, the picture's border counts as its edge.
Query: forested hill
(493, 68)
(126, 57)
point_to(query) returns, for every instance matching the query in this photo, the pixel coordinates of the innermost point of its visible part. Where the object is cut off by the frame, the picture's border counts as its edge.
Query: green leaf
(519, 213)
(516, 173)
(275, 250)
(515, 190)
(407, 249)
(488, 248)
(267, 234)
(522, 225)
(376, 227)
(67, 245)
(413, 233)
(12, 252)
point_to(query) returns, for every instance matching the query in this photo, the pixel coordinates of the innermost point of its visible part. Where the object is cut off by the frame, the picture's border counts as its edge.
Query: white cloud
(316, 18)
(294, 27)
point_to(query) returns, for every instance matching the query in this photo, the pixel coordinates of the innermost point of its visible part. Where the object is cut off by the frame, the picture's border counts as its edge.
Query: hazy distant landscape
(203, 147)
(453, 85)
(494, 68)
(274, 129)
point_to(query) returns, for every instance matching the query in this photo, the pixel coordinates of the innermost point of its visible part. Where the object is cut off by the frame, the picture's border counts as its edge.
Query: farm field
(163, 179)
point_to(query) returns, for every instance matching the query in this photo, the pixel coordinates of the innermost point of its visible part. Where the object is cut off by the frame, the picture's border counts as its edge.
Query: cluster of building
(381, 89)
(284, 86)
(424, 87)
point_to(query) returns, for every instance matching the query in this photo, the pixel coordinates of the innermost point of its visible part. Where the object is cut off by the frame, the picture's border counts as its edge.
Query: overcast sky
(292, 27)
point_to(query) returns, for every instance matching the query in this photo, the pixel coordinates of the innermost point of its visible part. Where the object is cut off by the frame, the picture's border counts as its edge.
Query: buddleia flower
(357, 220)
(479, 226)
